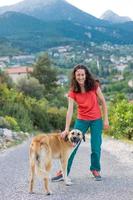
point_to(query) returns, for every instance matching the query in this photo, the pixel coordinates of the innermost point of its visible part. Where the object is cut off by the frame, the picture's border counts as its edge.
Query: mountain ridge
(31, 33)
(112, 17)
(53, 10)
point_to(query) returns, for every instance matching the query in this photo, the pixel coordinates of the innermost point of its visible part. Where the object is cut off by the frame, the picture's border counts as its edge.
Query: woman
(85, 91)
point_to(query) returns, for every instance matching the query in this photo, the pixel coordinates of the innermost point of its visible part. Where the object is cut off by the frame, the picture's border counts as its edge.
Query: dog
(44, 148)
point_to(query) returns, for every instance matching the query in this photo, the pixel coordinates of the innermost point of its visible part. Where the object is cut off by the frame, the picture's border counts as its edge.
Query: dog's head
(74, 136)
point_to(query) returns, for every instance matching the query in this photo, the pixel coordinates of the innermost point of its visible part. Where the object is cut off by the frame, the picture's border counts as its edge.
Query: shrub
(18, 111)
(4, 123)
(13, 123)
(57, 118)
(39, 115)
(121, 119)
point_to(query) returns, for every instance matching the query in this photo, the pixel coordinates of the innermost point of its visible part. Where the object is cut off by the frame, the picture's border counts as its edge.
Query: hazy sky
(96, 7)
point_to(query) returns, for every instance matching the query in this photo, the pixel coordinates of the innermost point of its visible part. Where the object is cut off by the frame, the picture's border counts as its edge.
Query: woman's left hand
(106, 124)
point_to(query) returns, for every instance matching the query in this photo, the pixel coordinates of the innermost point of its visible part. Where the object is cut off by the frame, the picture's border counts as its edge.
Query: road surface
(117, 173)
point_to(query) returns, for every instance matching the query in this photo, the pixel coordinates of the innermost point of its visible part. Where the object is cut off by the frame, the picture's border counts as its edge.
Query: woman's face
(80, 76)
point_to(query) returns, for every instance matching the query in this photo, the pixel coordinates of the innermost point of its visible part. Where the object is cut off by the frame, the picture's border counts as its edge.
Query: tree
(130, 66)
(93, 68)
(5, 78)
(45, 73)
(31, 87)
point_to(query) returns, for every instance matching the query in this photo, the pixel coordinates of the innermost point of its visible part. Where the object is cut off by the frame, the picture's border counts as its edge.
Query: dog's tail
(41, 157)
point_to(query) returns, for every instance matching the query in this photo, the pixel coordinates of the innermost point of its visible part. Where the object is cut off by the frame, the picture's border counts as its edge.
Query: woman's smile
(80, 76)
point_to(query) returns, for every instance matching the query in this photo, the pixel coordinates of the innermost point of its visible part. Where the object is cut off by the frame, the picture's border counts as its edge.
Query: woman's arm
(104, 107)
(68, 116)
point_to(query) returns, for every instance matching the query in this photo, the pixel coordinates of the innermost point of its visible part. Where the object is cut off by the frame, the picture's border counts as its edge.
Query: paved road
(117, 183)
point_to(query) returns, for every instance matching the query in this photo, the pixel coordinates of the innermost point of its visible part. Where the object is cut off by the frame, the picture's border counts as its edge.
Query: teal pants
(96, 127)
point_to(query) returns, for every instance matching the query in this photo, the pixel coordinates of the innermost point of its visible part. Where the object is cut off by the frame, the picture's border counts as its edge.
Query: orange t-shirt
(87, 103)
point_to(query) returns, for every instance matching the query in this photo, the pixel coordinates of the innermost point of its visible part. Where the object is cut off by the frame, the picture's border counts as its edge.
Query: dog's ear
(66, 138)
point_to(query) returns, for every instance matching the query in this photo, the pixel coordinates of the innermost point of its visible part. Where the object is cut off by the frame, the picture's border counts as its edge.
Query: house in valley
(16, 73)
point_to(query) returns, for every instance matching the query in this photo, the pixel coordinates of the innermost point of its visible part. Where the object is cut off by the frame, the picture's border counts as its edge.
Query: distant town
(111, 59)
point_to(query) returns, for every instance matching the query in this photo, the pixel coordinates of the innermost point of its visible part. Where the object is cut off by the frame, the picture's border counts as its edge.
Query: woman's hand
(64, 133)
(106, 124)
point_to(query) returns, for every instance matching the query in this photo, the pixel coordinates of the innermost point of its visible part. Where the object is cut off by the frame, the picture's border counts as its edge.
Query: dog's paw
(68, 182)
(49, 193)
(30, 192)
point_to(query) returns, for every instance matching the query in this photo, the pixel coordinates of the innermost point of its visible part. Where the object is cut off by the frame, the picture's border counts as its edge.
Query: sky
(95, 7)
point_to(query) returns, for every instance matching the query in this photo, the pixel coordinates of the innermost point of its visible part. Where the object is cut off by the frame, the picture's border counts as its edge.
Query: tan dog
(44, 148)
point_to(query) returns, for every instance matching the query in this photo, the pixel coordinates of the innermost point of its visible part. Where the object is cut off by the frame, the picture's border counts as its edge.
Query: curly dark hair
(90, 82)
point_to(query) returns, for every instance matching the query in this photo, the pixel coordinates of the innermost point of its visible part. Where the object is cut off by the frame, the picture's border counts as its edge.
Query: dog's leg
(46, 185)
(46, 178)
(64, 161)
(32, 176)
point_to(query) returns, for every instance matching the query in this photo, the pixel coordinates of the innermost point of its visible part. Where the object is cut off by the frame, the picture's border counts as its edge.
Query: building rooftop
(19, 70)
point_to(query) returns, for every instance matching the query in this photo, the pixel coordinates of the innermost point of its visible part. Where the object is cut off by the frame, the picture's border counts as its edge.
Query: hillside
(53, 10)
(44, 26)
(31, 34)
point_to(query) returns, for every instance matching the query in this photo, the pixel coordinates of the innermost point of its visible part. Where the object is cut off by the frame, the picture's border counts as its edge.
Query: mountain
(52, 23)
(53, 10)
(113, 17)
(30, 34)
(7, 49)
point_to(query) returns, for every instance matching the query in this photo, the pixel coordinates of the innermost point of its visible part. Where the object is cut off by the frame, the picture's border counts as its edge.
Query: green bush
(47, 118)
(13, 123)
(57, 118)
(18, 111)
(4, 123)
(26, 113)
(121, 119)
(39, 116)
